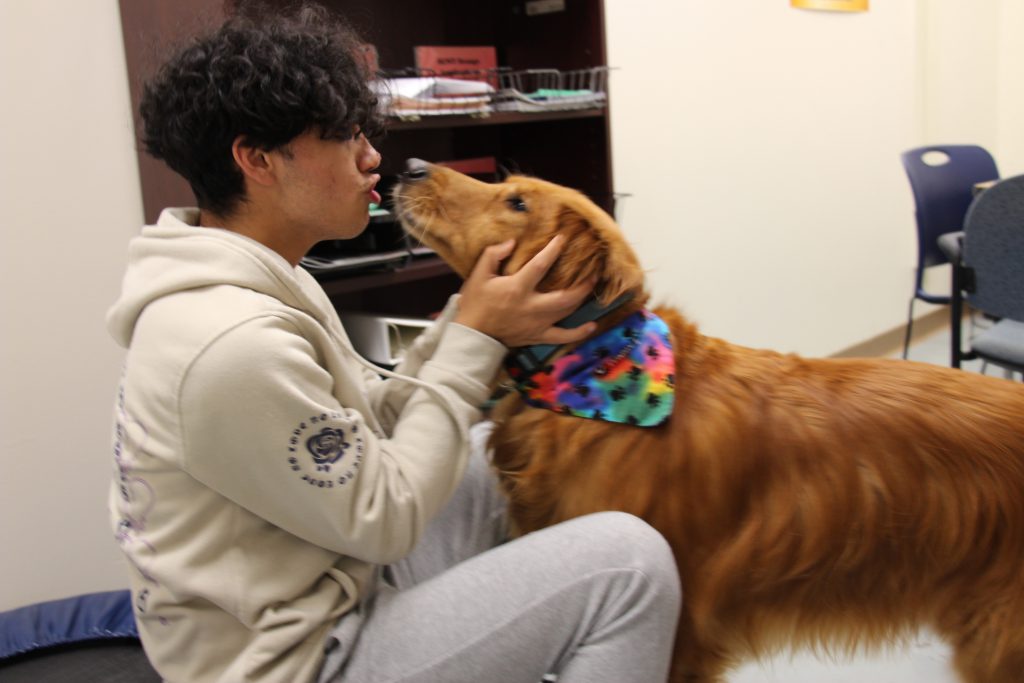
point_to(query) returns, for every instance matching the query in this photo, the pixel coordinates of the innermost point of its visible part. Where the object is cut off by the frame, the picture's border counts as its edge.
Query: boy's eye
(516, 203)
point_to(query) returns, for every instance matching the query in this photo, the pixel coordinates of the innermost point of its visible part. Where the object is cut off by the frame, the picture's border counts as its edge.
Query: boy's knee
(640, 546)
(630, 530)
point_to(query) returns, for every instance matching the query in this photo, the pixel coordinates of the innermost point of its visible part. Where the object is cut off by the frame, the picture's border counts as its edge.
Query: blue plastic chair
(943, 191)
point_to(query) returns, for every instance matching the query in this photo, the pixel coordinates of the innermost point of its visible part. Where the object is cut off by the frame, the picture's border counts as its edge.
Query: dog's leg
(988, 644)
(693, 660)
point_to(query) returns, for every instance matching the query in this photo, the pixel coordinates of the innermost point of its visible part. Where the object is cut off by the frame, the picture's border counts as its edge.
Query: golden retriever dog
(832, 503)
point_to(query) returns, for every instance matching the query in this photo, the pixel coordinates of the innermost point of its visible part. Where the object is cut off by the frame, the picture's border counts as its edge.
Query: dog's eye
(516, 203)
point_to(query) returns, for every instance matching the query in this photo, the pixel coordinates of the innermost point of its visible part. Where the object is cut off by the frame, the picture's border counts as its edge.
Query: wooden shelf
(571, 147)
(499, 118)
(420, 268)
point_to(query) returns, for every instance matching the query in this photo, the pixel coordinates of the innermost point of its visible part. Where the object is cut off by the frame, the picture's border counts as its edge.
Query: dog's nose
(416, 169)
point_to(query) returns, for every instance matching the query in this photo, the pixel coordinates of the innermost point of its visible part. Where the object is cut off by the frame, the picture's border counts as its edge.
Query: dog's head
(459, 216)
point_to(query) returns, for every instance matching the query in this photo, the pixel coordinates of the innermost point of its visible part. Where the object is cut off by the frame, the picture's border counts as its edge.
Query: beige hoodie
(263, 471)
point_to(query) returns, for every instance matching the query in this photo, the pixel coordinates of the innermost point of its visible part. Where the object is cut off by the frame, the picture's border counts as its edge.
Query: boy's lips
(374, 195)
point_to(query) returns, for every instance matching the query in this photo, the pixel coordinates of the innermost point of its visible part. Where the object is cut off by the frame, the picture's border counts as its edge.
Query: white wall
(1009, 103)
(70, 197)
(761, 145)
(961, 76)
(973, 70)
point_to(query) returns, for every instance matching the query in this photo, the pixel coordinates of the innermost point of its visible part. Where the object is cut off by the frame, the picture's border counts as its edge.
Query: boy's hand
(510, 309)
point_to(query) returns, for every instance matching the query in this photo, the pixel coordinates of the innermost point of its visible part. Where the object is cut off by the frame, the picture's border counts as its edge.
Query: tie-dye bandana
(626, 374)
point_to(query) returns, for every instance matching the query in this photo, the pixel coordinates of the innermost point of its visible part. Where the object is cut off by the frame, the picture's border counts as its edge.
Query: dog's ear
(505, 170)
(595, 247)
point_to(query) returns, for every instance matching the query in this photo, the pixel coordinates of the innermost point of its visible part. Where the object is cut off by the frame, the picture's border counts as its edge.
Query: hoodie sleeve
(388, 397)
(261, 425)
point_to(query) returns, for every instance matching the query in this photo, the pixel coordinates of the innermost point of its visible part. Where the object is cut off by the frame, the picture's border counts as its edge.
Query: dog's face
(459, 216)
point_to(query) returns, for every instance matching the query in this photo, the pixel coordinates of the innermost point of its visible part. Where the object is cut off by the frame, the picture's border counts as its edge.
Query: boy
(289, 515)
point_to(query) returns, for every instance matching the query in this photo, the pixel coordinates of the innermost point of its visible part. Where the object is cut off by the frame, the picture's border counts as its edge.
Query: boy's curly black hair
(266, 79)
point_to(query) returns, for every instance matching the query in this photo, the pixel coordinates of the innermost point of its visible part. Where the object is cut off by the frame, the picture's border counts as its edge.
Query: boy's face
(327, 185)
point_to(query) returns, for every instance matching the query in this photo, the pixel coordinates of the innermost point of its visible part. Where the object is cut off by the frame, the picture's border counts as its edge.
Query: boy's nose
(376, 158)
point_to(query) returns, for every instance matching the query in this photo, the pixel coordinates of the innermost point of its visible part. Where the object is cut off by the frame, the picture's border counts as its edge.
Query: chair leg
(956, 314)
(910, 328)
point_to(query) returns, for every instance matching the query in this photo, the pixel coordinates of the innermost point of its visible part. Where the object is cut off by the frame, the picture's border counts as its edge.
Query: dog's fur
(830, 503)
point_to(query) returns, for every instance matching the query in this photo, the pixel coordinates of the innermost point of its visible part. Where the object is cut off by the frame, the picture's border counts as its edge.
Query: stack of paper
(433, 96)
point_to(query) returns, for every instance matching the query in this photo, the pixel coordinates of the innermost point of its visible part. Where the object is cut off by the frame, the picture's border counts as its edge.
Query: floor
(925, 660)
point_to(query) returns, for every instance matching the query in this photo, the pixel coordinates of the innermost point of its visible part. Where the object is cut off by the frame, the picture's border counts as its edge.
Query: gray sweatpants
(590, 600)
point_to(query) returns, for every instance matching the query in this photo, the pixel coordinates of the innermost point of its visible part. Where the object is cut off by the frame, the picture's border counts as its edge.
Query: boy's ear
(594, 247)
(255, 164)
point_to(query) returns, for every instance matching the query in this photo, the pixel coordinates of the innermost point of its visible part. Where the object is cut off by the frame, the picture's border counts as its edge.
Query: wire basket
(539, 90)
(414, 93)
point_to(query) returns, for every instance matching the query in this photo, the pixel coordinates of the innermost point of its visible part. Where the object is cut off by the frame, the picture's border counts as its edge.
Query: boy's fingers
(537, 267)
(561, 335)
(490, 260)
(567, 300)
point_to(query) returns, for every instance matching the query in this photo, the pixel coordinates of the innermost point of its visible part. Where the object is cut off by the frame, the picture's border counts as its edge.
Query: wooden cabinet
(568, 147)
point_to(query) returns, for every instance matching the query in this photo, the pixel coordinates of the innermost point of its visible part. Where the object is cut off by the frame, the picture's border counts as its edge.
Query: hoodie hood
(176, 255)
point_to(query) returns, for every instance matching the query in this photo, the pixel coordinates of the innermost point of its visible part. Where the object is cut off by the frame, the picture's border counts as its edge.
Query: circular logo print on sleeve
(326, 450)
(327, 447)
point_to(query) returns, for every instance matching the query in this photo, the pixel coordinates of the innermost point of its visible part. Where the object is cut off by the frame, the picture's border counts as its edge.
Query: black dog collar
(530, 359)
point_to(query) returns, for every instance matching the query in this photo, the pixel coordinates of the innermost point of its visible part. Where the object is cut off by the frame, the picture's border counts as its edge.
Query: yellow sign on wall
(832, 5)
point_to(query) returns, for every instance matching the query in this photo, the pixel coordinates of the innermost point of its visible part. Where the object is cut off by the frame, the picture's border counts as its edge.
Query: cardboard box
(475, 63)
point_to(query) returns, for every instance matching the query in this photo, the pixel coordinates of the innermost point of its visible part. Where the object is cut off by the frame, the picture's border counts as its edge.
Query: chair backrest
(994, 249)
(943, 191)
